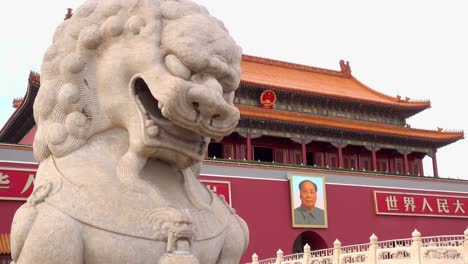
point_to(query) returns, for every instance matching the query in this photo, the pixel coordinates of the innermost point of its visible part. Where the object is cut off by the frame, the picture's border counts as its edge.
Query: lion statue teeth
(131, 94)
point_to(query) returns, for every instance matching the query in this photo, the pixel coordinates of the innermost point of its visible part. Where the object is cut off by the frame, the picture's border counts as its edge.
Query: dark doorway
(310, 158)
(314, 240)
(263, 154)
(215, 150)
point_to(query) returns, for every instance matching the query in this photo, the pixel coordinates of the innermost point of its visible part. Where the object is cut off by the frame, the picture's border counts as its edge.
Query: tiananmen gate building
(297, 122)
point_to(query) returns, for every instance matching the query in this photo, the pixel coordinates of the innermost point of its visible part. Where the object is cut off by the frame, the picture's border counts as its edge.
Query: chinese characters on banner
(16, 184)
(420, 204)
(219, 188)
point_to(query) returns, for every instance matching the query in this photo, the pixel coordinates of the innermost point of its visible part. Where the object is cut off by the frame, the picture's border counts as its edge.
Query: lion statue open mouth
(131, 94)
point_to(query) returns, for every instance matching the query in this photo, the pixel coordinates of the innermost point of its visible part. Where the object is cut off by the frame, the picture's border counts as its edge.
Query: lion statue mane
(132, 91)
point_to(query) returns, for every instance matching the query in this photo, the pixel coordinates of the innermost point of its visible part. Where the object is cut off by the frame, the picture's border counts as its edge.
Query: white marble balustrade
(416, 250)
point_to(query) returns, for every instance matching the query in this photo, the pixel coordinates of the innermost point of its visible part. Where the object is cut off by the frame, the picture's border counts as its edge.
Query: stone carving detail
(131, 93)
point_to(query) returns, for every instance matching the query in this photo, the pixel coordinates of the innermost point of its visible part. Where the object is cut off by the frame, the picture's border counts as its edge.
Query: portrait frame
(295, 178)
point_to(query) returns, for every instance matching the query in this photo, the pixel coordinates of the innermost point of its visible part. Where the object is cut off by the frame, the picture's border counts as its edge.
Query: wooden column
(421, 168)
(434, 164)
(340, 155)
(374, 159)
(303, 151)
(249, 146)
(405, 162)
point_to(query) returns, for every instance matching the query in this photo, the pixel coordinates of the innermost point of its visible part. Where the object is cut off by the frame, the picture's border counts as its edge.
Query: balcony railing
(322, 168)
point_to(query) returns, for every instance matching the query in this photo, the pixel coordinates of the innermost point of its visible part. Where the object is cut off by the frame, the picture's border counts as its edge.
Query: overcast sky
(417, 49)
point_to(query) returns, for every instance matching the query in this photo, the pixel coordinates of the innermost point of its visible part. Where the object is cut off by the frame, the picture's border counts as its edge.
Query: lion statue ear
(196, 169)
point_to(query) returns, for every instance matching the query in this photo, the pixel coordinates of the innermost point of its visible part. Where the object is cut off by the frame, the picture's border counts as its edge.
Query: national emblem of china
(267, 99)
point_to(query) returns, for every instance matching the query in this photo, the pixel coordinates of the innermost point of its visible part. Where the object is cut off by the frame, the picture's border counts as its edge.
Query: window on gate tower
(280, 155)
(382, 165)
(365, 163)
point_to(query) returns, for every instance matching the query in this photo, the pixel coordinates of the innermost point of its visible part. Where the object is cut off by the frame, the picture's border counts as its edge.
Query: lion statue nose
(206, 99)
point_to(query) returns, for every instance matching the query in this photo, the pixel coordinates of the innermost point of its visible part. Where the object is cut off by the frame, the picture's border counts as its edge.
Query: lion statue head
(163, 70)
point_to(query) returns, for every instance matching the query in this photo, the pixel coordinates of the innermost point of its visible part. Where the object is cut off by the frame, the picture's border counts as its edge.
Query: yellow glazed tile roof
(306, 79)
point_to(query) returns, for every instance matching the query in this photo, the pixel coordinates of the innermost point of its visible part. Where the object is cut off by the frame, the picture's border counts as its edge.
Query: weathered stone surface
(131, 93)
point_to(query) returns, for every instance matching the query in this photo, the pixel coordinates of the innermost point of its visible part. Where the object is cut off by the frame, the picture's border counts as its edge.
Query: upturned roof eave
(418, 105)
(22, 114)
(351, 125)
(414, 106)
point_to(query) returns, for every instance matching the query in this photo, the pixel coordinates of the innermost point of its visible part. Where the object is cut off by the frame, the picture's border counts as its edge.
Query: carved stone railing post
(465, 247)
(372, 252)
(307, 255)
(254, 259)
(416, 247)
(440, 249)
(279, 257)
(336, 251)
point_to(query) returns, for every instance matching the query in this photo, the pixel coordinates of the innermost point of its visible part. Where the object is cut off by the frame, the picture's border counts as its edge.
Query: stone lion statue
(131, 93)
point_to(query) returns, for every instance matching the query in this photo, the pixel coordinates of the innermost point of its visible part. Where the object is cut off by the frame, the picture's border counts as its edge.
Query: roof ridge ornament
(290, 65)
(69, 14)
(17, 102)
(345, 68)
(34, 78)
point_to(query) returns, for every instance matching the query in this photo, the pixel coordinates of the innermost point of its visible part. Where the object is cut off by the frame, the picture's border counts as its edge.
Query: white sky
(413, 48)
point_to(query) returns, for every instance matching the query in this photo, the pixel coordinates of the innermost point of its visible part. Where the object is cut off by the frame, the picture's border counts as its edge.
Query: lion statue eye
(177, 67)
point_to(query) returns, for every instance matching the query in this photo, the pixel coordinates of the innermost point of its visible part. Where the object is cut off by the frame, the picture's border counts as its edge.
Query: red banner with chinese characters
(16, 183)
(219, 188)
(420, 204)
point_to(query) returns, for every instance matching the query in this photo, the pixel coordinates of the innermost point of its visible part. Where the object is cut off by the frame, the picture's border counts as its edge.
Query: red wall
(7, 210)
(28, 139)
(265, 206)
(9, 207)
